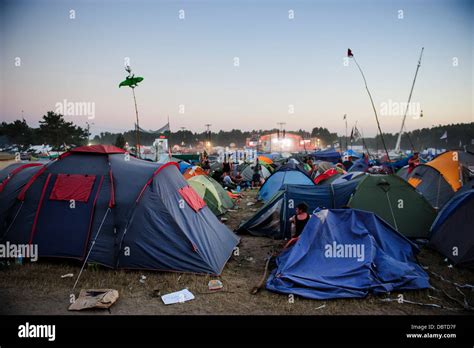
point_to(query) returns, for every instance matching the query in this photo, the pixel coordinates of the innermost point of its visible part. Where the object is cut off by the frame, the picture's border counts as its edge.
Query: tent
(327, 177)
(440, 178)
(272, 219)
(452, 231)
(212, 193)
(403, 173)
(349, 177)
(265, 159)
(329, 155)
(395, 201)
(247, 172)
(359, 166)
(128, 213)
(351, 153)
(345, 253)
(193, 171)
(287, 174)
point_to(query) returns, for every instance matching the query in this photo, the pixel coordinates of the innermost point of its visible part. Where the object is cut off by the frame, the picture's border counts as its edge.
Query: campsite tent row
(388, 196)
(119, 204)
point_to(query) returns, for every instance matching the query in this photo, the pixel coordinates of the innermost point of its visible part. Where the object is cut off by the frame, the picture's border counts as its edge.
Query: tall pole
(138, 124)
(345, 118)
(399, 139)
(373, 107)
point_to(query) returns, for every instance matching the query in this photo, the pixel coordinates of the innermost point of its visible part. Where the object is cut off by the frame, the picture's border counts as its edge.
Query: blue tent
(287, 174)
(183, 166)
(329, 155)
(142, 215)
(359, 166)
(345, 253)
(452, 231)
(272, 220)
(352, 153)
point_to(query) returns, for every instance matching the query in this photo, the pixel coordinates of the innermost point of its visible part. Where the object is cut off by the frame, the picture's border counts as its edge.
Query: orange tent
(193, 171)
(265, 159)
(447, 164)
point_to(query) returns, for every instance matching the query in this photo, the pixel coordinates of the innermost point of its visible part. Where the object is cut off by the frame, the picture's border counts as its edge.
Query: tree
(54, 130)
(120, 141)
(18, 132)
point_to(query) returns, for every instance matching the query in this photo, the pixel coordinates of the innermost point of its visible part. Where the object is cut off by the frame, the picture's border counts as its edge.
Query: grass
(37, 288)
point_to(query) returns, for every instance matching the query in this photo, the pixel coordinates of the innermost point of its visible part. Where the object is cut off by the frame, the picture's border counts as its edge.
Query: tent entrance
(64, 215)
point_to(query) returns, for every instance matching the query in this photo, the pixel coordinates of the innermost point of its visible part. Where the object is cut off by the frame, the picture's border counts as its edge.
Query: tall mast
(399, 139)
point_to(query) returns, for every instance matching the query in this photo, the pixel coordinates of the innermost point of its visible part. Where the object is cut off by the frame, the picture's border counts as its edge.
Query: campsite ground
(38, 288)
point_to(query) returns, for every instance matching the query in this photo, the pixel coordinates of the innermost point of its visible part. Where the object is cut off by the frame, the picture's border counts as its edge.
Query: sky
(291, 70)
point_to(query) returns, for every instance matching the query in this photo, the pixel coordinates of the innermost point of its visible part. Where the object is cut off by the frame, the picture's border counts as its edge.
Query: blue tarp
(329, 155)
(374, 258)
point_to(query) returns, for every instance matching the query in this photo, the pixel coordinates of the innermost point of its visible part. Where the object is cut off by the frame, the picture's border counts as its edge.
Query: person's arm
(292, 219)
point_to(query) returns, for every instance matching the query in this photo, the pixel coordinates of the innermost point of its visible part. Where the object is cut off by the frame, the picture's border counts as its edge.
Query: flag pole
(345, 118)
(138, 124)
(373, 105)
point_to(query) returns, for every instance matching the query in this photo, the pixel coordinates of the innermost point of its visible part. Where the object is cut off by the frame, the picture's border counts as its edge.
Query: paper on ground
(177, 297)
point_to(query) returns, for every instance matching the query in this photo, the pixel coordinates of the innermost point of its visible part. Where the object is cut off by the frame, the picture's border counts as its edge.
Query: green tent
(212, 193)
(396, 202)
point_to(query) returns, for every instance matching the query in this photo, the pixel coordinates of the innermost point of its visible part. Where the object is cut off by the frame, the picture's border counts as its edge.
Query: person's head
(238, 173)
(301, 208)
(416, 154)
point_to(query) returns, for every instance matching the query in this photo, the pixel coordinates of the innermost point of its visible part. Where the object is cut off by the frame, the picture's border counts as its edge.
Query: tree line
(56, 131)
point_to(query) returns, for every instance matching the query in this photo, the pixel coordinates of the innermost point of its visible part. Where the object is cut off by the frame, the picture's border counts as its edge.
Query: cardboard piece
(95, 298)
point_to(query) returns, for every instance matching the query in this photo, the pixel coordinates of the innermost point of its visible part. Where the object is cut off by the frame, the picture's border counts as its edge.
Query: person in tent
(227, 180)
(226, 166)
(206, 165)
(300, 219)
(238, 179)
(413, 162)
(256, 178)
(348, 163)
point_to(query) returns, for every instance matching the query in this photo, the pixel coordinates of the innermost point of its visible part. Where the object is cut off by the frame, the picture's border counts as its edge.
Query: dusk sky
(284, 63)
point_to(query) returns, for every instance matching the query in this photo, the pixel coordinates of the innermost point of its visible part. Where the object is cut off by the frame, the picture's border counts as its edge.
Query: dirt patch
(38, 288)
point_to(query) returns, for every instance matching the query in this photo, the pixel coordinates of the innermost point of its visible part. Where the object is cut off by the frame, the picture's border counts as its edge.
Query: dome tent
(440, 178)
(272, 220)
(396, 202)
(451, 233)
(287, 174)
(212, 193)
(376, 259)
(123, 204)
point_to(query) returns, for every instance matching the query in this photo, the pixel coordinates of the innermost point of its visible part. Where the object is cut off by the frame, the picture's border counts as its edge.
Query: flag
(352, 134)
(356, 134)
(345, 117)
(444, 136)
(163, 129)
(349, 53)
